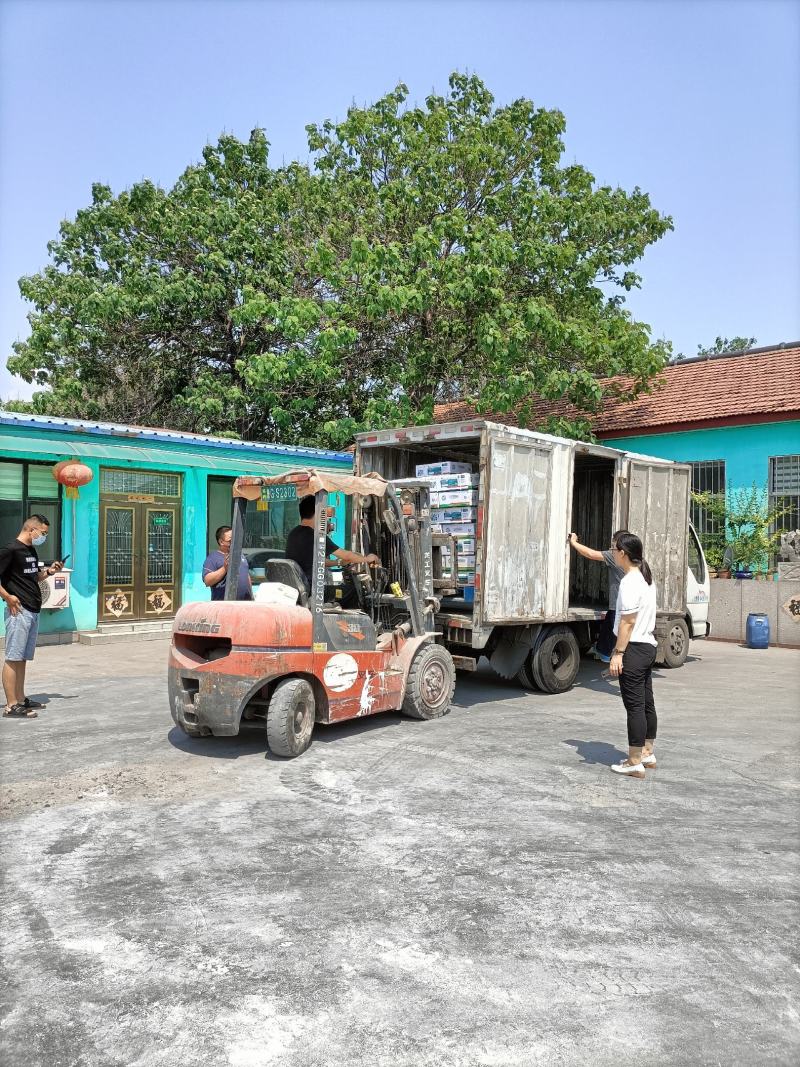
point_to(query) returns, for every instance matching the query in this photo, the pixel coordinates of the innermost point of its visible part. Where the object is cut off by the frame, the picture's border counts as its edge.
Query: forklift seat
(288, 572)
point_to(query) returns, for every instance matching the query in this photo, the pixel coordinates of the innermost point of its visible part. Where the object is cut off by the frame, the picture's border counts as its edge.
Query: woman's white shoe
(631, 770)
(649, 761)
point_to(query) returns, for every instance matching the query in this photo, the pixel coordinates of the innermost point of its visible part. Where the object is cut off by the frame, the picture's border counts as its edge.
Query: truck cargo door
(516, 506)
(658, 513)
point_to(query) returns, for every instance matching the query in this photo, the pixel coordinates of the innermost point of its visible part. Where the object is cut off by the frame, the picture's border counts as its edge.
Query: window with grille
(160, 546)
(26, 489)
(784, 490)
(146, 483)
(708, 476)
(119, 546)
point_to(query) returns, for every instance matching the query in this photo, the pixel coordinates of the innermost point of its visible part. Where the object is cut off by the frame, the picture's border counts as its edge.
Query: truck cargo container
(536, 605)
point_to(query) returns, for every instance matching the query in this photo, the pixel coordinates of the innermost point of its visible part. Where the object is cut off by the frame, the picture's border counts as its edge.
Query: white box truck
(535, 604)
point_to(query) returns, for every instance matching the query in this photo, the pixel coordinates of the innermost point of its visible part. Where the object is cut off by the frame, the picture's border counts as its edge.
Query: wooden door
(140, 572)
(159, 560)
(118, 548)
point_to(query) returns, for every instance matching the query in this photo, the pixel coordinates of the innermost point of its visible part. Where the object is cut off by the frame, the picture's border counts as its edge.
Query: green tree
(425, 253)
(135, 318)
(749, 525)
(722, 345)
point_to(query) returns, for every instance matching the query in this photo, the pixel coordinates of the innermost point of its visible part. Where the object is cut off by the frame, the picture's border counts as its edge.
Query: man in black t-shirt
(300, 544)
(20, 577)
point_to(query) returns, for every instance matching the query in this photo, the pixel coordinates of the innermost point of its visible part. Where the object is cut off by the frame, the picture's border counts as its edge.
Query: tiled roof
(722, 389)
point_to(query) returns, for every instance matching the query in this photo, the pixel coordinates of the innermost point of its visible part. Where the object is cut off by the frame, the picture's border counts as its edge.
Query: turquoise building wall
(745, 449)
(80, 519)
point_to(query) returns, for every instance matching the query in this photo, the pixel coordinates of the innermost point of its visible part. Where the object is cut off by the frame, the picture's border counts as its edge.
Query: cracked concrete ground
(478, 890)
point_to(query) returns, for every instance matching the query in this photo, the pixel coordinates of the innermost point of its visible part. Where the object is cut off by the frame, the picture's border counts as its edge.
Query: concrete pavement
(478, 890)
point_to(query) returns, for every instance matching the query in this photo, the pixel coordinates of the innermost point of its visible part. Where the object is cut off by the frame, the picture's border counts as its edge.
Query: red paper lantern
(72, 473)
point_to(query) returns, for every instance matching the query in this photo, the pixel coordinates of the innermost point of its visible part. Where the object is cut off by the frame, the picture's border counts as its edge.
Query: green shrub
(750, 525)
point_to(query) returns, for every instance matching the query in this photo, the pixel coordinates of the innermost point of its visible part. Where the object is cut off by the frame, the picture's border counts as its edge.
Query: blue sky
(696, 103)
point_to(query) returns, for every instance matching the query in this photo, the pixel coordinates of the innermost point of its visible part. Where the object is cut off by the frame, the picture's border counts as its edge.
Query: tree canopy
(721, 346)
(422, 254)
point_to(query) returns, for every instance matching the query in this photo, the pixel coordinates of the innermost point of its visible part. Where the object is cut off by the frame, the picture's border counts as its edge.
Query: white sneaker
(631, 770)
(650, 761)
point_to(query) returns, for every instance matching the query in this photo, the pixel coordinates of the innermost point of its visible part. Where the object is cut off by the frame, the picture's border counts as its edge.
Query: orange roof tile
(738, 388)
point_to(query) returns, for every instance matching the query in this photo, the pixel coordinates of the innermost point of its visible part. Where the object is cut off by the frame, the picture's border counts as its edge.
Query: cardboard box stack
(454, 508)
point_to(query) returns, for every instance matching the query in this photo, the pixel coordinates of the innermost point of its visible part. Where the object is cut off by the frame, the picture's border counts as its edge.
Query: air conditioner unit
(55, 591)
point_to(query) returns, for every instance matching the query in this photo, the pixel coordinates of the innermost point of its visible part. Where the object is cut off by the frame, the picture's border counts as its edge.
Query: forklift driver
(300, 545)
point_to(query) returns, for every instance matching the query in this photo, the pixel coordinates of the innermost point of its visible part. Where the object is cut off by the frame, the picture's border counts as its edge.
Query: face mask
(40, 540)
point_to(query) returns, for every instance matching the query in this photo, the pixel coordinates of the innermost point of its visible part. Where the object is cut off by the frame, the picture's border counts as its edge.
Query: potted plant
(749, 525)
(714, 552)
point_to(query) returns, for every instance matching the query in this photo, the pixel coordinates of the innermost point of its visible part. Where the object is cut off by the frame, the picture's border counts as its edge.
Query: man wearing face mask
(20, 575)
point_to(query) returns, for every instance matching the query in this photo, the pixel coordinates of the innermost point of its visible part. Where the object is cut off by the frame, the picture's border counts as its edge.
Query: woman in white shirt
(634, 654)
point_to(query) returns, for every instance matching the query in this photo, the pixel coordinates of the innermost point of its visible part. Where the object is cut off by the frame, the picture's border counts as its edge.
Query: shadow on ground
(246, 743)
(472, 689)
(252, 738)
(597, 751)
(45, 698)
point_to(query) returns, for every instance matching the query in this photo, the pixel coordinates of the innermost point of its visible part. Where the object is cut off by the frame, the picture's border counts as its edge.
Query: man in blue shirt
(215, 569)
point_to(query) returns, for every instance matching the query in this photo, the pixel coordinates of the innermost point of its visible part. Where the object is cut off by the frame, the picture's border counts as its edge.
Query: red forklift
(318, 657)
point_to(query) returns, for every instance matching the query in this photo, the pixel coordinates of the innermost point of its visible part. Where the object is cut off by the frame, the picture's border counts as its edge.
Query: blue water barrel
(757, 630)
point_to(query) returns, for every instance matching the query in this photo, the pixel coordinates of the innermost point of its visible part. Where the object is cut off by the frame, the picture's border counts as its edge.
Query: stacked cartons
(457, 529)
(456, 481)
(424, 470)
(453, 498)
(454, 509)
(452, 515)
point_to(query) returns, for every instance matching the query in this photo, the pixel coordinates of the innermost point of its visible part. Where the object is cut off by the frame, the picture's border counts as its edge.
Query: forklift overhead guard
(311, 480)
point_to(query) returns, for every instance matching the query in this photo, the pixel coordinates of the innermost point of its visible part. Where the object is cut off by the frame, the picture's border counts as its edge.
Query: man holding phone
(21, 574)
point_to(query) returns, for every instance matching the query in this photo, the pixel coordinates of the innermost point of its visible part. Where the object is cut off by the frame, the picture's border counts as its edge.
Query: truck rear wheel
(431, 683)
(555, 660)
(525, 674)
(676, 647)
(290, 717)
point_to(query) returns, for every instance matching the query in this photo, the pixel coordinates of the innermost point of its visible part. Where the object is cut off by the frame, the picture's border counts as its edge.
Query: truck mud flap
(512, 648)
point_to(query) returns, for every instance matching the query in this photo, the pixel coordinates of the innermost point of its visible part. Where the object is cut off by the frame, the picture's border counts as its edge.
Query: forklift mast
(237, 544)
(411, 599)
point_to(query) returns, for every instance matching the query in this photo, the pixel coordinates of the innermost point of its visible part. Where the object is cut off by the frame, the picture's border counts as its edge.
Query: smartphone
(64, 560)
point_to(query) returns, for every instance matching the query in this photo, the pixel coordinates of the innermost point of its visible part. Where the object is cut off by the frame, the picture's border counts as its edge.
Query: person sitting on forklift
(300, 544)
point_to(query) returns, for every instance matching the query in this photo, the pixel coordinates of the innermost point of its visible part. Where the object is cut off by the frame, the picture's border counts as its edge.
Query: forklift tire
(431, 683)
(555, 660)
(290, 717)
